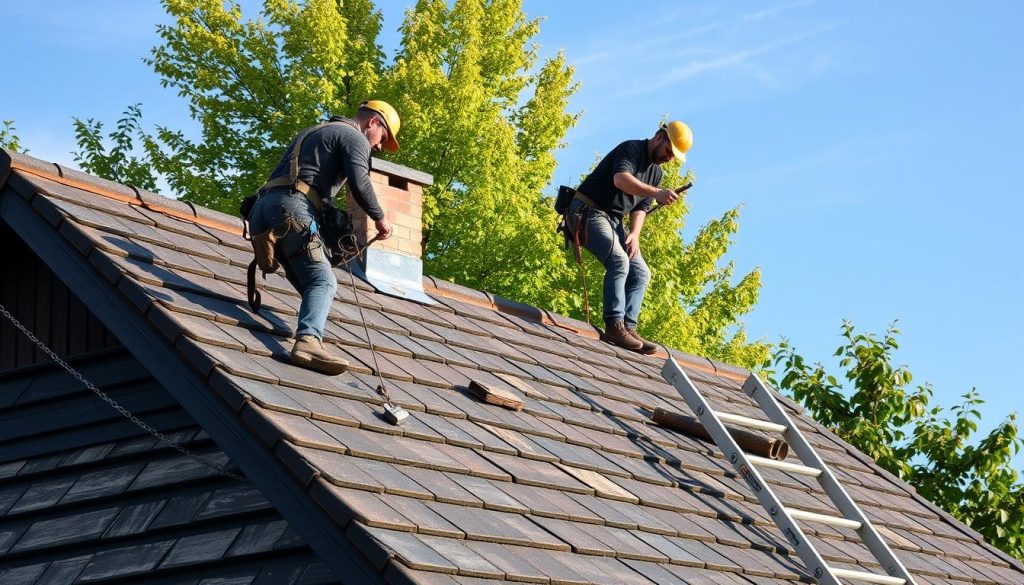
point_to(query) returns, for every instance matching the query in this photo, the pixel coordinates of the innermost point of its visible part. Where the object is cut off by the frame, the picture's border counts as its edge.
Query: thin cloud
(772, 11)
(646, 45)
(730, 60)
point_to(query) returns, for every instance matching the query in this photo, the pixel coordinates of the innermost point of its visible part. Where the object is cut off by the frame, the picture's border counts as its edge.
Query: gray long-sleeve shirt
(331, 155)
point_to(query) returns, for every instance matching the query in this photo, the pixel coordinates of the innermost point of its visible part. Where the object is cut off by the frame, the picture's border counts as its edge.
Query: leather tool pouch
(263, 249)
(563, 199)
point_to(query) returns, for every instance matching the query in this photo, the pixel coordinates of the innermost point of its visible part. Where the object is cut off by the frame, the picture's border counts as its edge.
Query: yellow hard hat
(680, 136)
(391, 121)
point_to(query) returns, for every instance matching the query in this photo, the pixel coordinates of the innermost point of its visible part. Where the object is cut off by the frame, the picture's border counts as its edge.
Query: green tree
(934, 451)
(116, 163)
(486, 129)
(692, 303)
(481, 112)
(253, 84)
(8, 137)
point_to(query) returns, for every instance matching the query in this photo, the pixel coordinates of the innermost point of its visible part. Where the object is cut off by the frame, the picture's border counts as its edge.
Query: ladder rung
(751, 422)
(868, 577)
(823, 519)
(795, 468)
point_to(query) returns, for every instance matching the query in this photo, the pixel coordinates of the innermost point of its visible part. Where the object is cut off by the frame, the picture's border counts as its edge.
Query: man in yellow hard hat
(625, 183)
(294, 208)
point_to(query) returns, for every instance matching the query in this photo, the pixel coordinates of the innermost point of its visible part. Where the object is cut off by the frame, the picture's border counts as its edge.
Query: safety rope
(582, 264)
(382, 388)
(218, 469)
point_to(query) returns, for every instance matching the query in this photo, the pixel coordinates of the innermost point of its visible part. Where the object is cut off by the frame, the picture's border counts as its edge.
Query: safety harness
(573, 235)
(263, 243)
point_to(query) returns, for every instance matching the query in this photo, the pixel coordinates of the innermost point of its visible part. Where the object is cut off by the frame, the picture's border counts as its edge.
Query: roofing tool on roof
(764, 446)
(851, 516)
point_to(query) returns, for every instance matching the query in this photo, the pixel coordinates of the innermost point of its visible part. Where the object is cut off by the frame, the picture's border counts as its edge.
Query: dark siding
(88, 497)
(45, 305)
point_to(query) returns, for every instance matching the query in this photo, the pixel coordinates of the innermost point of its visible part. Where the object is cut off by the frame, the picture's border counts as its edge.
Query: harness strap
(292, 180)
(588, 204)
(587, 201)
(255, 299)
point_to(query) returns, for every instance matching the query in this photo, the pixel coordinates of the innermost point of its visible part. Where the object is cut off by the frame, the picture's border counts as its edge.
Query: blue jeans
(625, 279)
(301, 252)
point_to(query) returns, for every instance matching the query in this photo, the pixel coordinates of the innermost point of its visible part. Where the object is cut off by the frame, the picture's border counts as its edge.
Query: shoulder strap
(293, 171)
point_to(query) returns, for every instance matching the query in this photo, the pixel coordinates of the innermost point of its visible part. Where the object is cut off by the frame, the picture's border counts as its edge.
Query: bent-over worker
(328, 155)
(626, 183)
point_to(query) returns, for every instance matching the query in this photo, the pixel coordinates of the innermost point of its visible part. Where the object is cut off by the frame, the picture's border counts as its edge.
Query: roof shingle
(578, 487)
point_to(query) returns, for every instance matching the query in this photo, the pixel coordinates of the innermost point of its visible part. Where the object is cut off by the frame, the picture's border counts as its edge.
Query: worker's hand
(633, 245)
(666, 196)
(383, 228)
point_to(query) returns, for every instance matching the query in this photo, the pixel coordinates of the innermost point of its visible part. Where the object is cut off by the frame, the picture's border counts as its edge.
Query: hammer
(660, 205)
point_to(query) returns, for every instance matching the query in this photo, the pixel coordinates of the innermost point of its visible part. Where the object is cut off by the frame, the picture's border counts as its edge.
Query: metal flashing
(396, 275)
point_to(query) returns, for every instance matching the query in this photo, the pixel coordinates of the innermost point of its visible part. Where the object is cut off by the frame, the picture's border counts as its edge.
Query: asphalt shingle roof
(578, 487)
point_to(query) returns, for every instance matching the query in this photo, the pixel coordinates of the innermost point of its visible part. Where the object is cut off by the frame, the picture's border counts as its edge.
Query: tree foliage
(692, 303)
(481, 111)
(933, 450)
(252, 84)
(117, 163)
(9, 137)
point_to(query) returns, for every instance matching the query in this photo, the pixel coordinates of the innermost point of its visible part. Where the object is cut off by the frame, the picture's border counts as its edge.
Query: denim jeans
(625, 279)
(301, 252)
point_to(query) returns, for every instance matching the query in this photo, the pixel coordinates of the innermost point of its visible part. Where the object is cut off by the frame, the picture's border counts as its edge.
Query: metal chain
(220, 470)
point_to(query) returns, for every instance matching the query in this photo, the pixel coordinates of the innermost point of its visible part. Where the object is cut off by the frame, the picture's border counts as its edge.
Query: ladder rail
(675, 375)
(756, 389)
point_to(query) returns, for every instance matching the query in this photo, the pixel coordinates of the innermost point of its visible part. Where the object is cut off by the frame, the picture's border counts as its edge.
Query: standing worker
(625, 182)
(317, 163)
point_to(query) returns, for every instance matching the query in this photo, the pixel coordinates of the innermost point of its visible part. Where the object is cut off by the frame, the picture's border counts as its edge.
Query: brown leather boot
(648, 347)
(309, 352)
(617, 334)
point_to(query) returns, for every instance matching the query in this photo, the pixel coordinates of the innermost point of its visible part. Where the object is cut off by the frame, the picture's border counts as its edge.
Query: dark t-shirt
(629, 157)
(329, 156)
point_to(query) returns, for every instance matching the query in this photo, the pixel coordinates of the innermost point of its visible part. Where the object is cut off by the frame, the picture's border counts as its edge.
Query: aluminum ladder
(812, 465)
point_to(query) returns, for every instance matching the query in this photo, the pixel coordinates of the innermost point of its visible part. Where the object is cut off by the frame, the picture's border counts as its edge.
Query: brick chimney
(395, 265)
(400, 194)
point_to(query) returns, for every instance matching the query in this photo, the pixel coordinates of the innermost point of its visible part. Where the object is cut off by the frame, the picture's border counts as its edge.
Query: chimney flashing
(395, 266)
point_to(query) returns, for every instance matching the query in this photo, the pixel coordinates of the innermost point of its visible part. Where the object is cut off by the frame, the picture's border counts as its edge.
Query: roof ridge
(129, 194)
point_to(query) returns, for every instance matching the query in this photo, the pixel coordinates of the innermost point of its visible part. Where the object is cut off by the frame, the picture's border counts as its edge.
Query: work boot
(617, 334)
(648, 347)
(309, 352)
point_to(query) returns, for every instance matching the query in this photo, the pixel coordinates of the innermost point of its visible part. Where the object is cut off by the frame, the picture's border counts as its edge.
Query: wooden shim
(494, 395)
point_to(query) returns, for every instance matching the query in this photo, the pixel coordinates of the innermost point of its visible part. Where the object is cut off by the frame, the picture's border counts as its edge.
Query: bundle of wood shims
(493, 395)
(754, 443)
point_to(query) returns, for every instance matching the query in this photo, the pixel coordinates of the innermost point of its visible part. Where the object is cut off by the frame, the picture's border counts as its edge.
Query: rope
(218, 469)
(382, 388)
(582, 265)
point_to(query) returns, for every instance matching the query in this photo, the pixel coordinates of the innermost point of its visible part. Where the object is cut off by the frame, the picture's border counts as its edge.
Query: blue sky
(876, 148)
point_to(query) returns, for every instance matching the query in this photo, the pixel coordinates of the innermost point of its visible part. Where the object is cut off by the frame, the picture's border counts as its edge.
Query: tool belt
(566, 195)
(335, 226)
(299, 185)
